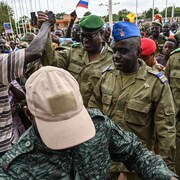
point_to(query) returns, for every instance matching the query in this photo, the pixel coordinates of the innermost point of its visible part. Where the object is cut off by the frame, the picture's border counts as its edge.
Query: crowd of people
(91, 102)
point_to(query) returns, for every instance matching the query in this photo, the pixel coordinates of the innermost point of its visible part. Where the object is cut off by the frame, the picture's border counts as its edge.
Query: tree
(60, 15)
(123, 14)
(149, 12)
(87, 13)
(5, 13)
(169, 11)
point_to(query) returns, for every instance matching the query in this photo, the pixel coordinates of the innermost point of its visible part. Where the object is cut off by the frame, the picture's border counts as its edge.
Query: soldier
(135, 96)
(158, 38)
(148, 54)
(85, 60)
(173, 74)
(68, 142)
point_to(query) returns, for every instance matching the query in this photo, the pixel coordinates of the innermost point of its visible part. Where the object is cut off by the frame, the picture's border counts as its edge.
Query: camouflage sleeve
(54, 58)
(95, 100)
(125, 147)
(164, 120)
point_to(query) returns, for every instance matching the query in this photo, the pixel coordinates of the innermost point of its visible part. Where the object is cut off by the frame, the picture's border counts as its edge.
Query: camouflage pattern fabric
(31, 159)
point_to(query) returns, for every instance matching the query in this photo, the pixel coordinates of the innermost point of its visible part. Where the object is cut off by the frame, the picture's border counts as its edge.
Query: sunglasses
(88, 35)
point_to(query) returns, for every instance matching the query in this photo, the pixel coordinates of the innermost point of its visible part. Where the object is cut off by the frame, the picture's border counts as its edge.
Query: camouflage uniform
(76, 61)
(31, 159)
(142, 105)
(173, 74)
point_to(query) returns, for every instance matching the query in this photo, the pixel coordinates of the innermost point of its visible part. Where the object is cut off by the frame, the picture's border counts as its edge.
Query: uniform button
(28, 143)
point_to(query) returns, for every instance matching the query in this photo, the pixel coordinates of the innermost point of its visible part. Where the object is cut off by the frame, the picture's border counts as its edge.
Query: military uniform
(76, 61)
(173, 74)
(31, 159)
(140, 102)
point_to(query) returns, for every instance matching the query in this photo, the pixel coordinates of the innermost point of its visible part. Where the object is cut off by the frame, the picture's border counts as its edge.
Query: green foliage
(5, 13)
(148, 13)
(87, 13)
(123, 14)
(169, 11)
(60, 16)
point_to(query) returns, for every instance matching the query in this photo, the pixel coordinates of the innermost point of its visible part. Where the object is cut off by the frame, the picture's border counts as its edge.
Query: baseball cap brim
(66, 133)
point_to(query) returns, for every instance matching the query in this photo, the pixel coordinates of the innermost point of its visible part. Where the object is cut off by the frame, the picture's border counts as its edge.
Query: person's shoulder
(158, 75)
(175, 51)
(108, 69)
(76, 45)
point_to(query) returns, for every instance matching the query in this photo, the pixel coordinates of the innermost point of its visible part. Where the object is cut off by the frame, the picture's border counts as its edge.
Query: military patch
(160, 76)
(76, 44)
(108, 68)
(175, 51)
(121, 32)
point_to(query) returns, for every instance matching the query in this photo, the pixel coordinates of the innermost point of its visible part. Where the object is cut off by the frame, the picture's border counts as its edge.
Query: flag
(131, 17)
(83, 3)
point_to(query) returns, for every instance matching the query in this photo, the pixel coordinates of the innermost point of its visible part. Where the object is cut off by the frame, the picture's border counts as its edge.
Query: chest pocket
(175, 78)
(137, 112)
(106, 100)
(75, 68)
(95, 77)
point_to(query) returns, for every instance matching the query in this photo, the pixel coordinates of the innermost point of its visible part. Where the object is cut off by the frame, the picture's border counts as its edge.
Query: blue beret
(123, 30)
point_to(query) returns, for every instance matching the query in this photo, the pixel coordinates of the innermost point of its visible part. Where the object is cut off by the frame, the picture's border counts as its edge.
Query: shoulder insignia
(159, 75)
(175, 51)
(76, 44)
(108, 68)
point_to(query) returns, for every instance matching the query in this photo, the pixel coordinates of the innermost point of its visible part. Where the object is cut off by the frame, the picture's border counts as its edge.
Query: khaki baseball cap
(53, 97)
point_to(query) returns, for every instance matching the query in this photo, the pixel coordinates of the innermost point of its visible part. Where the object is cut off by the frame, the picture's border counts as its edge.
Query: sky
(68, 6)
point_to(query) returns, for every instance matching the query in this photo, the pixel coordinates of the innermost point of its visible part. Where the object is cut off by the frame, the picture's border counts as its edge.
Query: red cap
(148, 46)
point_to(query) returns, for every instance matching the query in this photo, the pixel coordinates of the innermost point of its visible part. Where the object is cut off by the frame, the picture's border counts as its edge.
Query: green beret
(28, 37)
(156, 23)
(91, 23)
(177, 35)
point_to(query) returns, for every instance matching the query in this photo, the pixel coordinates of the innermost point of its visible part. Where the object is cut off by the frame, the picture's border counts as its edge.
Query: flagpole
(136, 12)
(166, 11)
(47, 5)
(39, 5)
(110, 14)
(14, 18)
(153, 11)
(23, 11)
(17, 18)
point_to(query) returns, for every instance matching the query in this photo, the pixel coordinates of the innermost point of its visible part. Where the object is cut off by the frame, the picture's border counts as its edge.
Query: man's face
(2, 45)
(59, 33)
(75, 33)
(125, 55)
(91, 41)
(165, 30)
(155, 30)
(12, 45)
(168, 48)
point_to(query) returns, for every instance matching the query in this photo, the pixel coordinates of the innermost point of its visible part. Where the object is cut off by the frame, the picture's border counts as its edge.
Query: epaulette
(175, 51)
(159, 75)
(76, 44)
(108, 68)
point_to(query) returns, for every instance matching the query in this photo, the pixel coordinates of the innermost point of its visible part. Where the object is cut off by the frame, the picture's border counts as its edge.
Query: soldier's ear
(139, 51)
